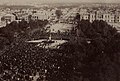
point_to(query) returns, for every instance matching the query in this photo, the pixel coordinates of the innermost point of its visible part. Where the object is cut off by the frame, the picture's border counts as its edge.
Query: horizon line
(9, 4)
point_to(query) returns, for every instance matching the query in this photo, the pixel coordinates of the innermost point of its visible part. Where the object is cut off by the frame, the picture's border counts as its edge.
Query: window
(105, 16)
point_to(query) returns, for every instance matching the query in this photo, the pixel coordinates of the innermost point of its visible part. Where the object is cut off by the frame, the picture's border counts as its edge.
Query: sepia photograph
(59, 40)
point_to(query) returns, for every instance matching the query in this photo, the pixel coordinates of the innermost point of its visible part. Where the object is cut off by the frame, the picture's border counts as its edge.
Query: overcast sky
(52, 1)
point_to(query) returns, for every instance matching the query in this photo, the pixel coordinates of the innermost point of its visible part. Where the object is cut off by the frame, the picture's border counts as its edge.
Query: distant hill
(16, 6)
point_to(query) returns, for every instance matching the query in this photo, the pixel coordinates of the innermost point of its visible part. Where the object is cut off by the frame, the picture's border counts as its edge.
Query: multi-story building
(26, 18)
(99, 16)
(117, 18)
(1, 18)
(8, 18)
(65, 11)
(84, 16)
(92, 17)
(106, 17)
(83, 11)
(39, 16)
(110, 18)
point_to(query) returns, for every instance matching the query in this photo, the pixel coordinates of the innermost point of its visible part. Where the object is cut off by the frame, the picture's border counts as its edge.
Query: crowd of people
(23, 62)
(87, 60)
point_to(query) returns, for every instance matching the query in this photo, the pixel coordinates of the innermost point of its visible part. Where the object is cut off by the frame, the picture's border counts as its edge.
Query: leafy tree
(58, 13)
(23, 25)
(77, 18)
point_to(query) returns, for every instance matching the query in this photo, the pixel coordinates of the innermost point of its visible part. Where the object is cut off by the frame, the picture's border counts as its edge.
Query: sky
(53, 1)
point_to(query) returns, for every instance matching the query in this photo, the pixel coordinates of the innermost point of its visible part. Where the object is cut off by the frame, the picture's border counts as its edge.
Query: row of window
(103, 16)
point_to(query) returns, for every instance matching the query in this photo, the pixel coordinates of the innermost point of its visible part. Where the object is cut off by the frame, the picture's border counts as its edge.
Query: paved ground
(61, 27)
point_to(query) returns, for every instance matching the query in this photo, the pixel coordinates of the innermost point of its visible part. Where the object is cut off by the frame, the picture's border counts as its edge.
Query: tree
(77, 18)
(23, 25)
(100, 51)
(58, 13)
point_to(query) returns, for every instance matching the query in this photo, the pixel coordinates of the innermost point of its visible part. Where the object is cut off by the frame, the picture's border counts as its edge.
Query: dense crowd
(96, 58)
(23, 62)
